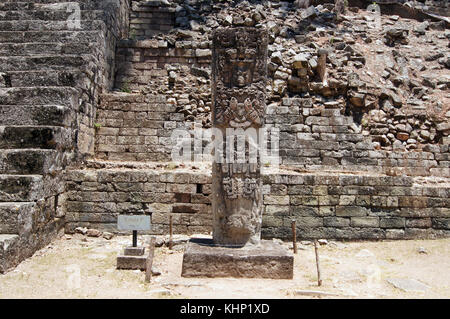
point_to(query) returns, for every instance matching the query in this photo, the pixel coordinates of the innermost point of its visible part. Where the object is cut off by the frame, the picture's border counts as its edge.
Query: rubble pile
(391, 72)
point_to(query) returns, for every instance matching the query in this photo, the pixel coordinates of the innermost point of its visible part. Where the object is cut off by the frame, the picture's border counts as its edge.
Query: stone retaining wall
(143, 63)
(340, 206)
(102, 73)
(323, 137)
(136, 127)
(150, 18)
(343, 123)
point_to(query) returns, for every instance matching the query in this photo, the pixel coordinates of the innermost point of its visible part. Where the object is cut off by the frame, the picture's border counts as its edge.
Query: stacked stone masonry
(326, 205)
(150, 18)
(374, 155)
(320, 132)
(137, 127)
(149, 62)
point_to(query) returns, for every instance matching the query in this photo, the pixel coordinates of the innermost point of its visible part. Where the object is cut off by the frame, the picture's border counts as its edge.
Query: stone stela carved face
(239, 71)
(242, 74)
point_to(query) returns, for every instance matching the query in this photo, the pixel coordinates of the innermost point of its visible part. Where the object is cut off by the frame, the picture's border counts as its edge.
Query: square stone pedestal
(267, 260)
(133, 258)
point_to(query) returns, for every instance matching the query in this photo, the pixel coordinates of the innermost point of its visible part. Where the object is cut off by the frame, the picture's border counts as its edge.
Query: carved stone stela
(239, 83)
(239, 69)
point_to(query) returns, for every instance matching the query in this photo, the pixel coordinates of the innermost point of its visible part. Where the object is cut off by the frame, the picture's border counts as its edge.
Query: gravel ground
(82, 267)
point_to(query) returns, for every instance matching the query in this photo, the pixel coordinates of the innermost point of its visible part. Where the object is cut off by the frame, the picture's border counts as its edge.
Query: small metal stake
(149, 262)
(316, 249)
(294, 236)
(170, 232)
(134, 238)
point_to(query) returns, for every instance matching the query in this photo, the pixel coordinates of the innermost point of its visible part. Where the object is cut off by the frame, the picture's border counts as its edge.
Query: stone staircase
(55, 58)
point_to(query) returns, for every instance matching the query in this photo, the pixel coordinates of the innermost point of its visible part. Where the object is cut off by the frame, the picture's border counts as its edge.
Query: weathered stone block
(203, 259)
(300, 190)
(272, 221)
(392, 222)
(365, 222)
(181, 188)
(132, 262)
(347, 200)
(309, 222)
(21, 188)
(360, 233)
(276, 210)
(441, 223)
(303, 211)
(350, 211)
(134, 251)
(328, 200)
(395, 233)
(29, 161)
(276, 200)
(336, 221)
(418, 222)
(327, 210)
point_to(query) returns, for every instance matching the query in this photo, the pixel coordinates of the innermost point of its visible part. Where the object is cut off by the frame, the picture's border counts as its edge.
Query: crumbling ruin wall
(115, 18)
(366, 149)
(347, 123)
(320, 95)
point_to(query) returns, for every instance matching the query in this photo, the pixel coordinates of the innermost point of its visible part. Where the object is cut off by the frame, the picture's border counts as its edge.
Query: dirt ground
(82, 267)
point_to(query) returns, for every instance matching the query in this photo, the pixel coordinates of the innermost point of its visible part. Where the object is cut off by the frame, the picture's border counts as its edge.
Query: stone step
(16, 217)
(14, 248)
(51, 48)
(42, 4)
(44, 78)
(44, 25)
(67, 96)
(30, 161)
(56, 115)
(46, 137)
(52, 15)
(28, 188)
(48, 62)
(16, 188)
(9, 247)
(55, 37)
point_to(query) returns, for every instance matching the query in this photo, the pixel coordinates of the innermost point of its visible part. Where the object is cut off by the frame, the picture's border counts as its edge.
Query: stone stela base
(132, 258)
(267, 260)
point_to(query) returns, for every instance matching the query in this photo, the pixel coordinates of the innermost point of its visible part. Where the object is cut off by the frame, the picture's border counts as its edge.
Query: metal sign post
(133, 257)
(134, 238)
(133, 223)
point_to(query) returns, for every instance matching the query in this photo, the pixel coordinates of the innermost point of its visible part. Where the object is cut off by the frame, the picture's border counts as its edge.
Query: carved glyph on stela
(240, 71)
